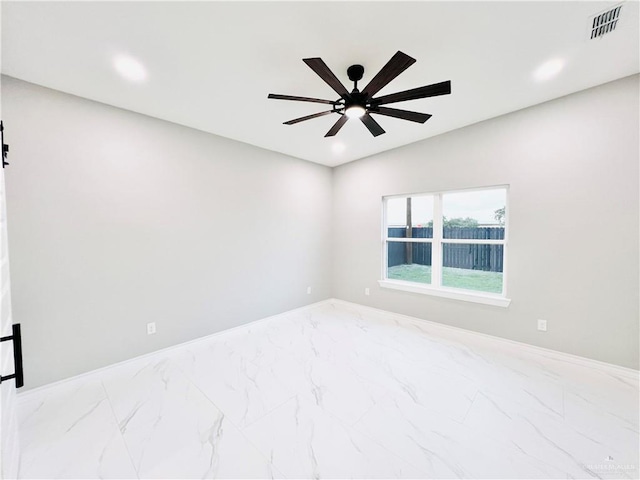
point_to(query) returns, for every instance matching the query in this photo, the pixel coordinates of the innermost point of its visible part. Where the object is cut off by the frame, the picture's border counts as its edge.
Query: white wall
(572, 167)
(117, 219)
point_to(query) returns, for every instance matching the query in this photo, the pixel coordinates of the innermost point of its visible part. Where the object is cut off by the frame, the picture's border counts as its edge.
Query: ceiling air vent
(605, 22)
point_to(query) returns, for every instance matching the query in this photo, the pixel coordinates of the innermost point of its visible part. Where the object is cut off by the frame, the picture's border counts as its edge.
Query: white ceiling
(211, 64)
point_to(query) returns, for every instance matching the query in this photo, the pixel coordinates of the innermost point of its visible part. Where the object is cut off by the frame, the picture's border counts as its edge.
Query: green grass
(410, 273)
(451, 277)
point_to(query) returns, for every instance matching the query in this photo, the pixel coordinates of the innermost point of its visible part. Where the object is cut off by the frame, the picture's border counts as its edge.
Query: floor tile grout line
(378, 443)
(226, 416)
(387, 394)
(348, 427)
(475, 395)
(247, 425)
(115, 417)
(209, 399)
(43, 399)
(250, 441)
(173, 363)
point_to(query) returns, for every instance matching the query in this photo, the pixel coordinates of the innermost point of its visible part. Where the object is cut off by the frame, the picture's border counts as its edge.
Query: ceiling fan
(361, 104)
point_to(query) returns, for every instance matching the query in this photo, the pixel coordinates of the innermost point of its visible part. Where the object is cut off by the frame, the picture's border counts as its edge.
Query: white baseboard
(547, 352)
(25, 395)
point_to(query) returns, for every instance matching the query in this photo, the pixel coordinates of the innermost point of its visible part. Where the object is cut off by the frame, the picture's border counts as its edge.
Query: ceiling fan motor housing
(355, 72)
(357, 98)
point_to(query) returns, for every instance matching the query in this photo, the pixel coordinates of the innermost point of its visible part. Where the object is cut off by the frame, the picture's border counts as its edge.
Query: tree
(460, 222)
(499, 215)
(457, 222)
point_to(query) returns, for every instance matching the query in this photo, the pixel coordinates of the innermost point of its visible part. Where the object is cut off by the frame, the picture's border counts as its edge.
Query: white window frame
(436, 288)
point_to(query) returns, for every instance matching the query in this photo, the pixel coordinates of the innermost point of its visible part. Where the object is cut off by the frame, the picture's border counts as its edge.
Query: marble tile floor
(337, 391)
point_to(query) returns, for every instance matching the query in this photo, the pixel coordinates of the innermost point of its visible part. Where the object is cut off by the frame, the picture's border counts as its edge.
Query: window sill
(486, 299)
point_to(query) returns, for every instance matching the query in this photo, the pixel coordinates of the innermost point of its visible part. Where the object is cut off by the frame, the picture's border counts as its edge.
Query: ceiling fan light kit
(361, 104)
(355, 111)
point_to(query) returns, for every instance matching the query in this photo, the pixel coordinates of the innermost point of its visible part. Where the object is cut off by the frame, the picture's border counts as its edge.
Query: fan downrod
(355, 73)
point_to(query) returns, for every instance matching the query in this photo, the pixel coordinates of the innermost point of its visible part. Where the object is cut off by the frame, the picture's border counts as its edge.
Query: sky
(480, 205)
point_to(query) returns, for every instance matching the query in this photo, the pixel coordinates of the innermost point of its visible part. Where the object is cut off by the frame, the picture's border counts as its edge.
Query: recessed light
(338, 147)
(549, 69)
(130, 68)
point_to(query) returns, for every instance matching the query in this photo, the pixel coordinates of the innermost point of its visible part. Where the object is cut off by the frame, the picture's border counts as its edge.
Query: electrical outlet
(542, 325)
(366, 291)
(309, 290)
(151, 328)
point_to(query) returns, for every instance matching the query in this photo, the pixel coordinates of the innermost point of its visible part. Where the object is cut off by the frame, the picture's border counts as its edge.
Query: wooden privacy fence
(469, 256)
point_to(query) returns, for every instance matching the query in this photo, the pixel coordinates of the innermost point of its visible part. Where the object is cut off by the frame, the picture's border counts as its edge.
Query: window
(450, 244)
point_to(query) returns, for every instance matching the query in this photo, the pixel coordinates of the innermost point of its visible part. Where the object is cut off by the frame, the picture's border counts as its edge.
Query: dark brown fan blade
(394, 67)
(337, 126)
(403, 114)
(308, 117)
(442, 88)
(299, 99)
(372, 125)
(318, 66)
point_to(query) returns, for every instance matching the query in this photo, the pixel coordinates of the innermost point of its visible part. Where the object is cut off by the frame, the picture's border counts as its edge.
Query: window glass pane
(414, 211)
(477, 215)
(472, 266)
(410, 262)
